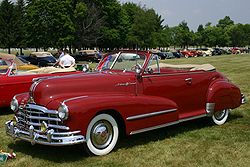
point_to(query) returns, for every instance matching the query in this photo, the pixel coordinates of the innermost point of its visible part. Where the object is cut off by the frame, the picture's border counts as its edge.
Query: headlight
(63, 112)
(14, 104)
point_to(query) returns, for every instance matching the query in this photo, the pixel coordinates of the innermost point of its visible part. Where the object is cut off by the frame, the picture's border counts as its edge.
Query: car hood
(85, 84)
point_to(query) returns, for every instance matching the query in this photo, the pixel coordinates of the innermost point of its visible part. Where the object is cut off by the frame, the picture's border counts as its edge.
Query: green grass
(194, 143)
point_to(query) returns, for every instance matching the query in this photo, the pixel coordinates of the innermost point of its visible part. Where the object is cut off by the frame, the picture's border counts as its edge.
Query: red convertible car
(130, 93)
(14, 81)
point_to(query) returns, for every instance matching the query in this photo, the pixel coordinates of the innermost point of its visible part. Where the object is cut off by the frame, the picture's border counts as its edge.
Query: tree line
(105, 24)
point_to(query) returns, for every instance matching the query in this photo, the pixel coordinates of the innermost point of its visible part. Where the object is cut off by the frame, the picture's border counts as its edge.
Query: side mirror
(138, 69)
(85, 68)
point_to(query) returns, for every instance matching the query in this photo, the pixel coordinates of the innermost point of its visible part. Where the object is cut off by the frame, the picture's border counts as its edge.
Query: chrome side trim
(74, 98)
(153, 128)
(192, 118)
(210, 108)
(142, 116)
(167, 124)
(184, 73)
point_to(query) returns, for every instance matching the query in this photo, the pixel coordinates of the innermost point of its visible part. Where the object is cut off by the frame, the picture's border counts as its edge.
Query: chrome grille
(35, 115)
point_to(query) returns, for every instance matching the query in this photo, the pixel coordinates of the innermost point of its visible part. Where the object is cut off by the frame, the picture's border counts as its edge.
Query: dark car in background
(41, 59)
(177, 54)
(88, 55)
(217, 51)
(165, 55)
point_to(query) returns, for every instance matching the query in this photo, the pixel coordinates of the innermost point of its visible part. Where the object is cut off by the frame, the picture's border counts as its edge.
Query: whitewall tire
(102, 134)
(220, 117)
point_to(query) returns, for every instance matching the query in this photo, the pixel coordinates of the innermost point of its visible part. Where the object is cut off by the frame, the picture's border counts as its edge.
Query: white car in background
(206, 51)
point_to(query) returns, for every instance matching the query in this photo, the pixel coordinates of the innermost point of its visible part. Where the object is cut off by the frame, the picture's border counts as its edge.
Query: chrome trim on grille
(132, 118)
(29, 120)
(33, 115)
(40, 108)
(50, 138)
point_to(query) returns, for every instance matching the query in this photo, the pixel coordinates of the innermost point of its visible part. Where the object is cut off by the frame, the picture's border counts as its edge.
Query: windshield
(122, 61)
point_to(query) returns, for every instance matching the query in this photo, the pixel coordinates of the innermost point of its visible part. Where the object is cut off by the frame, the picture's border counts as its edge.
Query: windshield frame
(101, 65)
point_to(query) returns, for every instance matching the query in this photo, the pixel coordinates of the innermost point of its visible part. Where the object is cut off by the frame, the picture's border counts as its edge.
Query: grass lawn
(194, 143)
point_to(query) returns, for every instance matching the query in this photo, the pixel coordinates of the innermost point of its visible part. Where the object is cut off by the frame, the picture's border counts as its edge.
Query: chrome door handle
(188, 80)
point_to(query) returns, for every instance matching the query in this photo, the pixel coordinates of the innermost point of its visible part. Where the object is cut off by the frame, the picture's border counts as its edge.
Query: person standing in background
(66, 61)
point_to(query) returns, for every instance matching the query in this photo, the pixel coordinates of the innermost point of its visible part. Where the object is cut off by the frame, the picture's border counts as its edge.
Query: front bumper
(49, 138)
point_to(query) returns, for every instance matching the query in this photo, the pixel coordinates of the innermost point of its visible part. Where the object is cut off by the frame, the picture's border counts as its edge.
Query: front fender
(82, 109)
(224, 95)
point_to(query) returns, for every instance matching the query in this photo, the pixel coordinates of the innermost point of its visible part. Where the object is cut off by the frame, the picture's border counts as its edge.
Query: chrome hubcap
(101, 134)
(220, 114)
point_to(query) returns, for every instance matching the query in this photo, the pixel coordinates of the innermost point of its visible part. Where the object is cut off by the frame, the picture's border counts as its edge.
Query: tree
(223, 23)
(21, 34)
(8, 25)
(88, 21)
(145, 28)
(49, 23)
(116, 28)
(183, 35)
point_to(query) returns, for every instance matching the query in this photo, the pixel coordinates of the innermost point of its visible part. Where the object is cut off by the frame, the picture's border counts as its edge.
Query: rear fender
(222, 94)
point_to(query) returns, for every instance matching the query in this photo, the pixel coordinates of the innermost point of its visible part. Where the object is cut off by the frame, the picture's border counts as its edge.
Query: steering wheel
(133, 68)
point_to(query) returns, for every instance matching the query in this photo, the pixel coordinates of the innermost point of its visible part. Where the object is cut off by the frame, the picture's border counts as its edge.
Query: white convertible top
(191, 67)
(48, 70)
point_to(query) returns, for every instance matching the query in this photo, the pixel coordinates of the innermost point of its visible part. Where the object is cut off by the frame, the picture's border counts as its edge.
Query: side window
(153, 65)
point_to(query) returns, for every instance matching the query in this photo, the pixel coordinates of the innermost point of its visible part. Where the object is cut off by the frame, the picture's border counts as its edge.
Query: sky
(196, 12)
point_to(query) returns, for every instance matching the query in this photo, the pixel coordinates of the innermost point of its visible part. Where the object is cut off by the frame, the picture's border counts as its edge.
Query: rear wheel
(102, 135)
(220, 117)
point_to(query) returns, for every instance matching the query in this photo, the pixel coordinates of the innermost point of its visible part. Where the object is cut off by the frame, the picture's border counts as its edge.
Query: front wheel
(220, 117)
(102, 135)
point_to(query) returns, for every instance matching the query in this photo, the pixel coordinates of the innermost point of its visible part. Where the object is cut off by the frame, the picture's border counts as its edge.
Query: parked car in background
(177, 54)
(15, 80)
(189, 53)
(205, 51)
(131, 92)
(88, 55)
(236, 50)
(217, 51)
(41, 59)
(21, 63)
(165, 55)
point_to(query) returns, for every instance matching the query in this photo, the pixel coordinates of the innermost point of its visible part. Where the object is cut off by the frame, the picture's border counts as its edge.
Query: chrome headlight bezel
(14, 104)
(63, 112)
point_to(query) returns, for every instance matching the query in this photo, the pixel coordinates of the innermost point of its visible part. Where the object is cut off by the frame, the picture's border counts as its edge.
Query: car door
(187, 89)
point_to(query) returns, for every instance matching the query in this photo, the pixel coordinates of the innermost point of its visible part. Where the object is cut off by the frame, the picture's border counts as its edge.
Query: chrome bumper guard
(243, 99)
(49, 138)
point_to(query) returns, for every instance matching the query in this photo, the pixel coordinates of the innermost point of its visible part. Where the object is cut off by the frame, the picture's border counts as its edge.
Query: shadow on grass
(76, 152)
(50, 153)
(5, 111)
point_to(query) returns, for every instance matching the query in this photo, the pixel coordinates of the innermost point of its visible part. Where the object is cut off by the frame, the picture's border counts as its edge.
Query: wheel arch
(117, 116)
